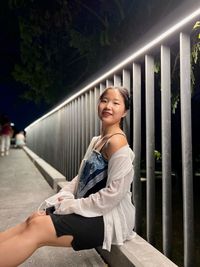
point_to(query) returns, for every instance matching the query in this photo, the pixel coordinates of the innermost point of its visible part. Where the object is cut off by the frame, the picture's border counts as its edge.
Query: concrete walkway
(22, 189)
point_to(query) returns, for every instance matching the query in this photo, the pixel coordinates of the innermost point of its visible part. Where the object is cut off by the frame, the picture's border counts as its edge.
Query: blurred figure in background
(6, 134)
(19, 139)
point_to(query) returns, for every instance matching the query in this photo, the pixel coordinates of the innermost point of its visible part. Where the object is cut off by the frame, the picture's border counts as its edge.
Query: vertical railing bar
(109, 83)
(87, 119)
(70, 140)
(63, 122)
(61, 142)
(78, 132)
(78, 135)
(66, 141)
(166, 150)
(126, 82)
(96, 99)
(49, 152)
(137, 187)
(82, 125)
(150, 147)
(67, 137)
(43, 153)
(69, 147)
(75, 136)
(186, 138)
(56, 129)
(102, 87)
(51, 132)
(93, 111)
(52, 148)
(47, 138)
(117, 80)
(91, 108)
(54, 134)
(57, 154)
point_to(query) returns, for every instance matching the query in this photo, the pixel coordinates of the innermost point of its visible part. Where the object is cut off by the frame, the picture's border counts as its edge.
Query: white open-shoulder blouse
(112, 202)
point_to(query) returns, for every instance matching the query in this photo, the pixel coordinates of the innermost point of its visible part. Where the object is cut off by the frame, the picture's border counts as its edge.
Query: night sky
(20, 112)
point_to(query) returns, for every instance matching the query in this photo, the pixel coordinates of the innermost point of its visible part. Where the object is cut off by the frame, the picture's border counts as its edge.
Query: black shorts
(87, 232)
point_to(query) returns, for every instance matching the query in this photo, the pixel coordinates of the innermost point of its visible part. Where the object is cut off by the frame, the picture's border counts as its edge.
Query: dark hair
(124, 93)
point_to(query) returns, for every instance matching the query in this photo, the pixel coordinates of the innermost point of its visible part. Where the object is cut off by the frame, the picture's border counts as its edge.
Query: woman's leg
(12, 231)
(2, 145)
(38, 231)
(7, 144)
(17, 229)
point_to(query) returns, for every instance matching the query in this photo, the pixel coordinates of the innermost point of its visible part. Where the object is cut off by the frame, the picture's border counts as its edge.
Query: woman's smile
(106, 113)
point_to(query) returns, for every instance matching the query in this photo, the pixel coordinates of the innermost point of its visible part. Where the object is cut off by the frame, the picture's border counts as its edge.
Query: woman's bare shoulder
(116, 142)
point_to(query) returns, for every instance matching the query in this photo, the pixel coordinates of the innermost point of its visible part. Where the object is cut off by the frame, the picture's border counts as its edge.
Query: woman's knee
(32, 226)
(40, 228)
(34, 215)
(42, 232)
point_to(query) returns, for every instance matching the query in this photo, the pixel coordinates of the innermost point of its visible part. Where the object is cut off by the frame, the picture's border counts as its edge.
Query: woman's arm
(70, 185)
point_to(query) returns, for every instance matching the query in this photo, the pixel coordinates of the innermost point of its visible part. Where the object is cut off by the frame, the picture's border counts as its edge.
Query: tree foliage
(62, 42)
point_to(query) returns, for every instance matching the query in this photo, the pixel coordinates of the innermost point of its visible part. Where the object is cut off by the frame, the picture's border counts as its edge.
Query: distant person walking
(19, 140)
(6, 134)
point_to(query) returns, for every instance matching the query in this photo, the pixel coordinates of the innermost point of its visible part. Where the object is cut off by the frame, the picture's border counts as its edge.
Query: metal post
(137, 190)
(66, 141)
(117, 80)
(70, 142)
(96, 118)
(87, 118)
(78, 132)
(166, 150)
(91, 111)
(102, 87)
(109, 83)
(150, 147)
(186, 136)
(75, 136)
(126, 81)
(82, 125)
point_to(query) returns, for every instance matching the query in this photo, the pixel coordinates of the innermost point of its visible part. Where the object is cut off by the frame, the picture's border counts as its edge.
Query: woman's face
(111, 107)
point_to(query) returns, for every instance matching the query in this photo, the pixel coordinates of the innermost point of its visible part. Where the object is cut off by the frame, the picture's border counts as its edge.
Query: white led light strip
(141, 51)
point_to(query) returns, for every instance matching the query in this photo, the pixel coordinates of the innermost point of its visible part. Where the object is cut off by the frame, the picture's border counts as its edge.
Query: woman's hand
(63, 207)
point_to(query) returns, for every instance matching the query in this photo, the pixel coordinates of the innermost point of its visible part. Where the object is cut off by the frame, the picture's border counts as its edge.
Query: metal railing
(62, 136)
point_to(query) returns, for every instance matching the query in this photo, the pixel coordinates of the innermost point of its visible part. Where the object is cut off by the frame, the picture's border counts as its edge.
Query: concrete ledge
(52, 176)
(136, 252)
(60, 185)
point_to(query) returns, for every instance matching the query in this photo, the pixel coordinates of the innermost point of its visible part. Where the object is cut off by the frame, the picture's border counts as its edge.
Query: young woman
(98, 197)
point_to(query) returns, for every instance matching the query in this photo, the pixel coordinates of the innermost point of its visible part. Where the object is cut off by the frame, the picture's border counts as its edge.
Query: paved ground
(22, 189)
